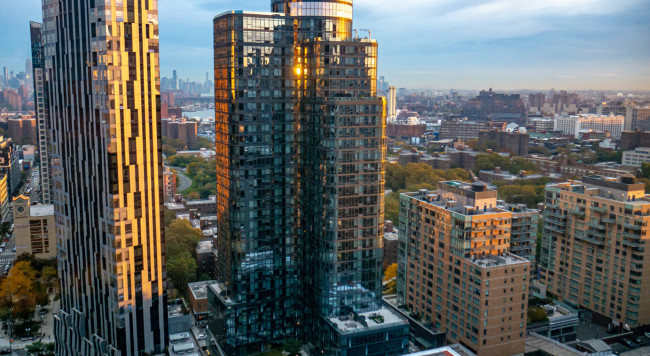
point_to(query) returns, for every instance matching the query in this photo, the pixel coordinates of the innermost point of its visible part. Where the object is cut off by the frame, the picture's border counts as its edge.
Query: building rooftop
(496, 261)
(204, 246)
(441, 351)
(41, 210)
(220, 290)
(391, 236)
(382, 317)
(455, 196)
(536, 342)
(200, 289)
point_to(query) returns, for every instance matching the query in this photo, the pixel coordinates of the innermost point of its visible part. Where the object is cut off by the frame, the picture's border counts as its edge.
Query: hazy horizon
(470, 44)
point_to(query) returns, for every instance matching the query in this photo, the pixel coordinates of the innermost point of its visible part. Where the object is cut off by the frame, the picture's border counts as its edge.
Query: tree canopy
(181, 241)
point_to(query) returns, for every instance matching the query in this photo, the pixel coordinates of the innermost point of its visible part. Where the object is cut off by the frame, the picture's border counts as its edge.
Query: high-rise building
(633, 139)
(536, 101)
(512, 142)
(455, 271)
(581, 124)
(300, 139)
(102, 84)
(489, 105)
(467, 130)
(592, 250)
(392, 103)
(41, 107)
(523, 234)
(9, 164)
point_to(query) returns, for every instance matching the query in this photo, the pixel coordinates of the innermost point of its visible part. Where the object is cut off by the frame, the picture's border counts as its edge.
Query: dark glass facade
(300, 141)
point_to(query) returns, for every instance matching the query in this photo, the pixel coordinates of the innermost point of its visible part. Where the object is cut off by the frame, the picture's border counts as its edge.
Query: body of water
(202, 113)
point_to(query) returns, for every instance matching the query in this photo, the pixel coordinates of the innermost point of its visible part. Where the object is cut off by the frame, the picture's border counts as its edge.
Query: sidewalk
(47, 330)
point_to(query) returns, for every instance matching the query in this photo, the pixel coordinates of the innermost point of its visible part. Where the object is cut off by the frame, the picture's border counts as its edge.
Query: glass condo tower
(300, 141)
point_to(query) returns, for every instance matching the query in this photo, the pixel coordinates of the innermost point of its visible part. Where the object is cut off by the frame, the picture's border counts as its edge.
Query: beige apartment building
(34, 228)
(593, 248)
(455, 270)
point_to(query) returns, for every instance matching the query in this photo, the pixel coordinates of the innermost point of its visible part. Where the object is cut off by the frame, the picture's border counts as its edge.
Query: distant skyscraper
(41, 106)
(5, 76)
(101, 75)
(174, 81)
(392, 103)
(300, 139)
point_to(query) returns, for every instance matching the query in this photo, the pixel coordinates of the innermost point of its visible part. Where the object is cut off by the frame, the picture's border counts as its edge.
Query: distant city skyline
(503, 44)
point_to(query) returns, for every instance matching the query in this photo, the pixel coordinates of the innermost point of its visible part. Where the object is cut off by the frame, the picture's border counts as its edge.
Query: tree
(292, 346)
(181, 235)
(518, 164)
(391, 272)
(392, 207)
(41, 349)
(536, 314)
(169, 216)
(518, 194)
(181, 269)
(168, 150)
(181, 241)
(488, 162)
(202, 142)
(645, 170)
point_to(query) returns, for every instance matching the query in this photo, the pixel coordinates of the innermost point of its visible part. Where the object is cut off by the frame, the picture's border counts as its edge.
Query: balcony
(576, 212)
(596, 233)
(629, 243)
(590, 239)
(555, 229)
(596, 226)
(633, 227)
(608, 221)
(599, 209)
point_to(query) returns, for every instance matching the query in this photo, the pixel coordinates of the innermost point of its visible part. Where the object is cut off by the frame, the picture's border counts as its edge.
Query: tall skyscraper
(300, 141)
(592, 248)
(41, 107)
(5, 76)
(455, 269)
(102, 78)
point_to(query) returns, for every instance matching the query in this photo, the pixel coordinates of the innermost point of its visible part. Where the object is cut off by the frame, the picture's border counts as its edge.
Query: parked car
(647, 335)
(629, 343)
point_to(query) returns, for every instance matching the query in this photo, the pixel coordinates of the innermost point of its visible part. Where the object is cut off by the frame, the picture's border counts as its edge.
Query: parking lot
(630, 343)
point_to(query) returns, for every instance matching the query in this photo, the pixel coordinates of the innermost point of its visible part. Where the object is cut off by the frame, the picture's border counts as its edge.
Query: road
(184, 182)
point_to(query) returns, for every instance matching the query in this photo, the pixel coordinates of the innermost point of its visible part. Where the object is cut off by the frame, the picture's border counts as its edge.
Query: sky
(436, 44)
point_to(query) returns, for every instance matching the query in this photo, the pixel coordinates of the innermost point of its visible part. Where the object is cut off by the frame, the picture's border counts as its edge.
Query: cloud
(437, 43)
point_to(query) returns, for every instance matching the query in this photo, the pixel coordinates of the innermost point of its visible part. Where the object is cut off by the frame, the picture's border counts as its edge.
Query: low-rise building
(169, 183)
(205, 257)
(34, 229)
(198, 299)
(390, 248)
(561, 322)
(406, 157)
(637, 157)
